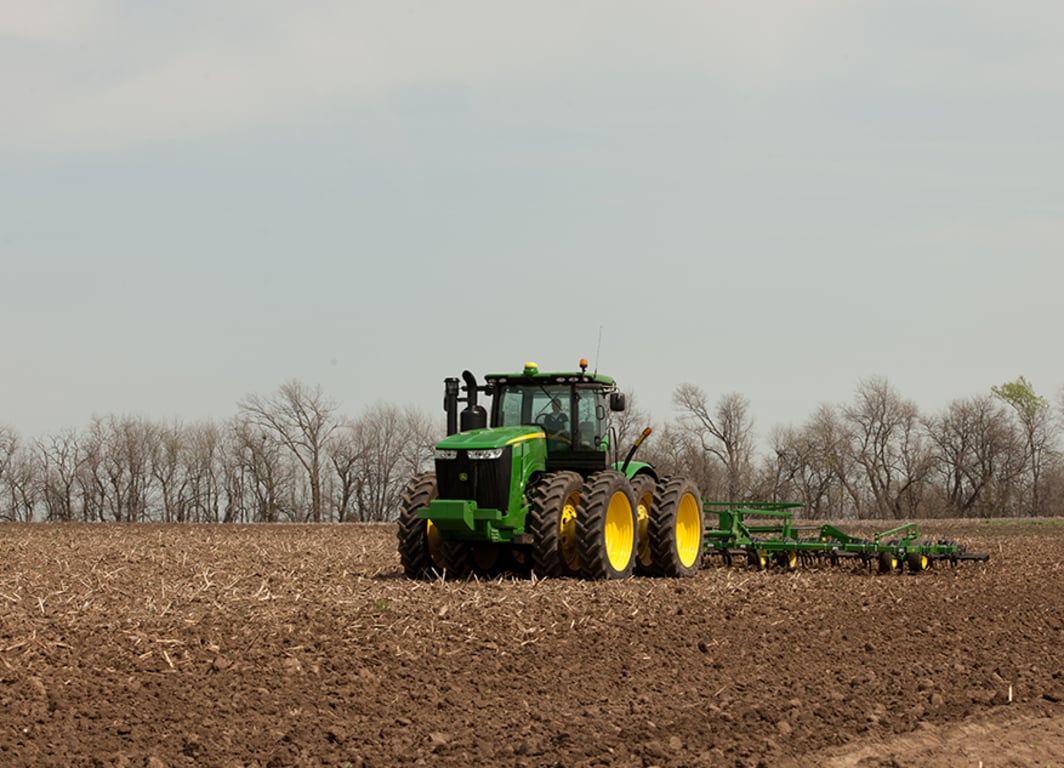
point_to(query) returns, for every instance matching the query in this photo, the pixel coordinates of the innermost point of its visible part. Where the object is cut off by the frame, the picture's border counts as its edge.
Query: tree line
(878, 456)
(291, 457)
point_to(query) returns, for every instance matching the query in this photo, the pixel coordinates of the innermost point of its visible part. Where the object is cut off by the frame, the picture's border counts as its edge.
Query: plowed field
(280, 645)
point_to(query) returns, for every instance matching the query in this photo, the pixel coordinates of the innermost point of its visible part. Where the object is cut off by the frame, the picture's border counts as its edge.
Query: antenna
(598, 349)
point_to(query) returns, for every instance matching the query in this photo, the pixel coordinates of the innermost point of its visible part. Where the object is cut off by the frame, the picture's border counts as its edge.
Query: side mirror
(617, 402)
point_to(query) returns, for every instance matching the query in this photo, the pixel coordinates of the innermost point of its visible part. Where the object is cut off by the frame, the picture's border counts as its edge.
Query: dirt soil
(156, 646)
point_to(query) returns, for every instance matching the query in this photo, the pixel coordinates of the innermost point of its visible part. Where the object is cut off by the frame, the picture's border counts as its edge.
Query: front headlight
(443, 453)
(485, 453)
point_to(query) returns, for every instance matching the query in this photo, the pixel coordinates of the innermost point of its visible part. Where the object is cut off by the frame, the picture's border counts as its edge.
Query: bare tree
(91, 478)
(168, 467)
(806, 469)
(726, 433)
(236, 480)
(300, 419)
(347, 452)
(130, 446)
(887, 443)
(258, 481)
(8, 443)
(673, 451)
(60, 457)
(391, 445)
(18, 479)
(975, 454)
(830, 443)
(203, 471)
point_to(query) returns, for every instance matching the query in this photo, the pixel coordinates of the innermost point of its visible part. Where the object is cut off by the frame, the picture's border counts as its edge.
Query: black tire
(643, 488)
(676, 528)
(420, 547)
(888, 561)
(787, 559)
(917, 562)
(606, 527)
(488, 559)
(756, 558)
(552, 513)
(457, 559)
(516, 560)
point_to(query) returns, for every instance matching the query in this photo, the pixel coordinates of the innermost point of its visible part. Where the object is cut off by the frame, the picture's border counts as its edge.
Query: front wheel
(457, 559)
(420, 545)
(606, 527)
(462, 559)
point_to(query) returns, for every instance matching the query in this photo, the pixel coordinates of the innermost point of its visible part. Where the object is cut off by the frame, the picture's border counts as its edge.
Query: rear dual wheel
(888, 561)
(675, 529)
(606, 525)
(643, 487)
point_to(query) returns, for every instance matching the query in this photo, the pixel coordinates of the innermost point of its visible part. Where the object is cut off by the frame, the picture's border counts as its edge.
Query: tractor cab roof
(532, 375)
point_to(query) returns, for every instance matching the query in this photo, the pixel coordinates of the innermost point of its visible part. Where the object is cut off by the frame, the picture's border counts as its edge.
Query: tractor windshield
(573, 416)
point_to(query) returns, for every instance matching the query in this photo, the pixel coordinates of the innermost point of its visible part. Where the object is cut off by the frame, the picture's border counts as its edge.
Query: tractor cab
(570, 408)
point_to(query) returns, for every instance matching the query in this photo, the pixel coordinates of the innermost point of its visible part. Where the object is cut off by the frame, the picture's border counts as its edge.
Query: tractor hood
(490, 437)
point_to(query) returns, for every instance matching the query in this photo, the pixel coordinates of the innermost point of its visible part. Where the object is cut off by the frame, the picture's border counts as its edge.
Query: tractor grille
(487, 482)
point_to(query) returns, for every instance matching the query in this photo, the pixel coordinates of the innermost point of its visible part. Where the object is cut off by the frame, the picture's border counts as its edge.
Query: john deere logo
(463, 476)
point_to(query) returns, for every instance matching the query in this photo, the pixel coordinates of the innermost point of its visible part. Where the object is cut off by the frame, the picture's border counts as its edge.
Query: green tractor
(537, 485)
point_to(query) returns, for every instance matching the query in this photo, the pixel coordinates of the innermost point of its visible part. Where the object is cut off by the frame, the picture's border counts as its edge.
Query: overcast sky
(202, 200)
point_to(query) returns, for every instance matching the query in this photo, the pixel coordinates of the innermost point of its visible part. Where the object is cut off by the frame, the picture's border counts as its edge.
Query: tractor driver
(555, 422)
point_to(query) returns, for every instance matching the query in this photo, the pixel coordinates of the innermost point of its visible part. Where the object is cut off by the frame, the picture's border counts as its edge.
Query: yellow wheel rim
(567, 533)
(620, 531)
(643, 514)
(923, 562)
(688, 530)
(435, 542)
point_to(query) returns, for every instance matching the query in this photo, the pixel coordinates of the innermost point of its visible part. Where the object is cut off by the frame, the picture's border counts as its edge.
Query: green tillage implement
(763, 532)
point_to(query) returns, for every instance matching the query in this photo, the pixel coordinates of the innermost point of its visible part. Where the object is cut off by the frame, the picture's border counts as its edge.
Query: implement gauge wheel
(788, 559)
(888, 561)
(606, 527)
(643, 487)
(675, 529)
(420, 546)
(756, 558)
(552, 513)
(917, 562)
